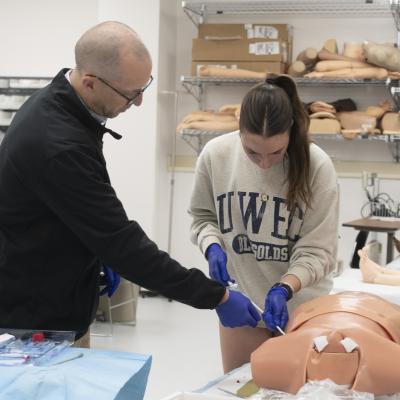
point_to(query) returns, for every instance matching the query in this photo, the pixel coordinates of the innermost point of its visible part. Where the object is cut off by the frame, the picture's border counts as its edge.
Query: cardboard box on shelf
(246, 31)
(275, 67)
(240, 50)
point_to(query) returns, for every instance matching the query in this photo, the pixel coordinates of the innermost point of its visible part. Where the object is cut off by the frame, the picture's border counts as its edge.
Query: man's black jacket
(60, 218)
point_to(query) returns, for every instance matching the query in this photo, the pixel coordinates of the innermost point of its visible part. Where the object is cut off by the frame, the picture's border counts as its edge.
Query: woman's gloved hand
(110, 280)
(217, 264)
(276, 312)
(237, 311)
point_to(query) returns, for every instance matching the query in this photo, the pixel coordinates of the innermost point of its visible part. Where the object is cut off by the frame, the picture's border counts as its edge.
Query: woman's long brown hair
(272, 108)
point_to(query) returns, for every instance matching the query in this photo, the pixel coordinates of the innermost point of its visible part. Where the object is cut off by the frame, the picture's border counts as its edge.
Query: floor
(183, 341)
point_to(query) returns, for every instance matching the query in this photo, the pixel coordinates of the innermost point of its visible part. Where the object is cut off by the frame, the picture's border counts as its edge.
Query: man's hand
(110, 279)
(237, 311)
(276, 312)
(217, 264)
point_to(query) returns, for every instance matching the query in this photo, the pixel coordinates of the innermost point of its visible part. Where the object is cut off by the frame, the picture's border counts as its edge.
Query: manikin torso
(372, 324)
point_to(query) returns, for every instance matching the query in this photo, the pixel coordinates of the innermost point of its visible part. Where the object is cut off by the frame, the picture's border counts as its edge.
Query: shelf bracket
(394, 90)
(394, 145)
(395, 8)
(196, 143)
(196, 91)
(197, 17)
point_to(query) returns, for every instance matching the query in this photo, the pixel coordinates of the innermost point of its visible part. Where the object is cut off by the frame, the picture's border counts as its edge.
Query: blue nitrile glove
(111, 281)
(237, 311)
(217, 264)
(276, 312)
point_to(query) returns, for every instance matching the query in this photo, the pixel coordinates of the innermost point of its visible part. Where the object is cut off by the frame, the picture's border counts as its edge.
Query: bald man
(60, 219)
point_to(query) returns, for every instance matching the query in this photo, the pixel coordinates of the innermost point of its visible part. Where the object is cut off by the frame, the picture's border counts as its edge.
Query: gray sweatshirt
(242, 207)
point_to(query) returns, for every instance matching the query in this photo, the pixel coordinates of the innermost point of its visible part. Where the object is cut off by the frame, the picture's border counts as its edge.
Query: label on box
(250, 33)
(264, 48)
(265, 32)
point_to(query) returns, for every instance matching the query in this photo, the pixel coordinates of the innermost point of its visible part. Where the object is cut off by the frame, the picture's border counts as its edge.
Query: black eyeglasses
(129, 99)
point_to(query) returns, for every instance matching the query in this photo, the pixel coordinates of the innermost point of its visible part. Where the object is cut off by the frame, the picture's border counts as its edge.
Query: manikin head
(113, 68)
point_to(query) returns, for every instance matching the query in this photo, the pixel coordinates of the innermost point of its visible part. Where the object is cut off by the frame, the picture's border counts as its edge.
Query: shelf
(195, 84)
(21, 91)
(197, 80)
(197, 139)
(24, 85)
(338, 137)
(198, 11)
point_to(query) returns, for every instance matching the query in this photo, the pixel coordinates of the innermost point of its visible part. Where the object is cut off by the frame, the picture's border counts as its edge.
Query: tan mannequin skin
(287, 362)
(374, 273)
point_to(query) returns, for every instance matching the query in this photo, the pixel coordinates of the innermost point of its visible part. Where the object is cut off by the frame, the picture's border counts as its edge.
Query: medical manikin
(374, 273)
(351, 338)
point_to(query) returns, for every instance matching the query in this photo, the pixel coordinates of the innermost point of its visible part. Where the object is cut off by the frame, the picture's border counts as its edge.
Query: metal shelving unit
(19, 86)
(199, 11)
(195, 84)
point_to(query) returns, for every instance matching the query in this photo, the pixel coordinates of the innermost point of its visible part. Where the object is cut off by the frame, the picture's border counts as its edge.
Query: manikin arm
(374, 273)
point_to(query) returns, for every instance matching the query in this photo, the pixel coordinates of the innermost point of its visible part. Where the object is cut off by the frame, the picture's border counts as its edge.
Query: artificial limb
(374, 273)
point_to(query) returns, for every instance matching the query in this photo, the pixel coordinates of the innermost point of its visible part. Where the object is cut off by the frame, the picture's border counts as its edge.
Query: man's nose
(138, 101)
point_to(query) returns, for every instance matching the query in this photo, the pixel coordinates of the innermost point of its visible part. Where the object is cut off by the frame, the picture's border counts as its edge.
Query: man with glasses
(60, 219)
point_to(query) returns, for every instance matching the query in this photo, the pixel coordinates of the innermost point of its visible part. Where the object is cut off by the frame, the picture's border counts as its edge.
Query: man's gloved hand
(217, 264)
(276, 312)
(110, 280)
(237, 311)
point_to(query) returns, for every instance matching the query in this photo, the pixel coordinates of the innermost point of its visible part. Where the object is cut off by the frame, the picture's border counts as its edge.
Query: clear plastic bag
(316, 390)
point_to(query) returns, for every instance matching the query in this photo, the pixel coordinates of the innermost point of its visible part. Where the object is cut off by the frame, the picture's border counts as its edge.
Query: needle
(234, 286)
(280, 330)
(79, 355)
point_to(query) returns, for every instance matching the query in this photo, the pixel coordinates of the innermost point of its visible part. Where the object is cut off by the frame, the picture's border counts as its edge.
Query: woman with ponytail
(265, 213)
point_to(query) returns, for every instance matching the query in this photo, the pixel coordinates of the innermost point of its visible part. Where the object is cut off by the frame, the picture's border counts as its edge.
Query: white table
(351, 280)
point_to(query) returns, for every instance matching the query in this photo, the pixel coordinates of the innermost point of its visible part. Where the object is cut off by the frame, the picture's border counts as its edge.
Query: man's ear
(88, 82)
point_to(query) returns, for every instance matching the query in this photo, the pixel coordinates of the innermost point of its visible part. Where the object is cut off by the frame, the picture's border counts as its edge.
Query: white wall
(131, 161)
(166, 121)
(38, 39)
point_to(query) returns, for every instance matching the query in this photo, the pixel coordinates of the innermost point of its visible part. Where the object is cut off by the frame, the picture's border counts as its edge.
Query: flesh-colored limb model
(209, 70)
(231, 109)
(219, 126)
(358, 345)
(223, 121)
(374, 273)
(352, 73)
